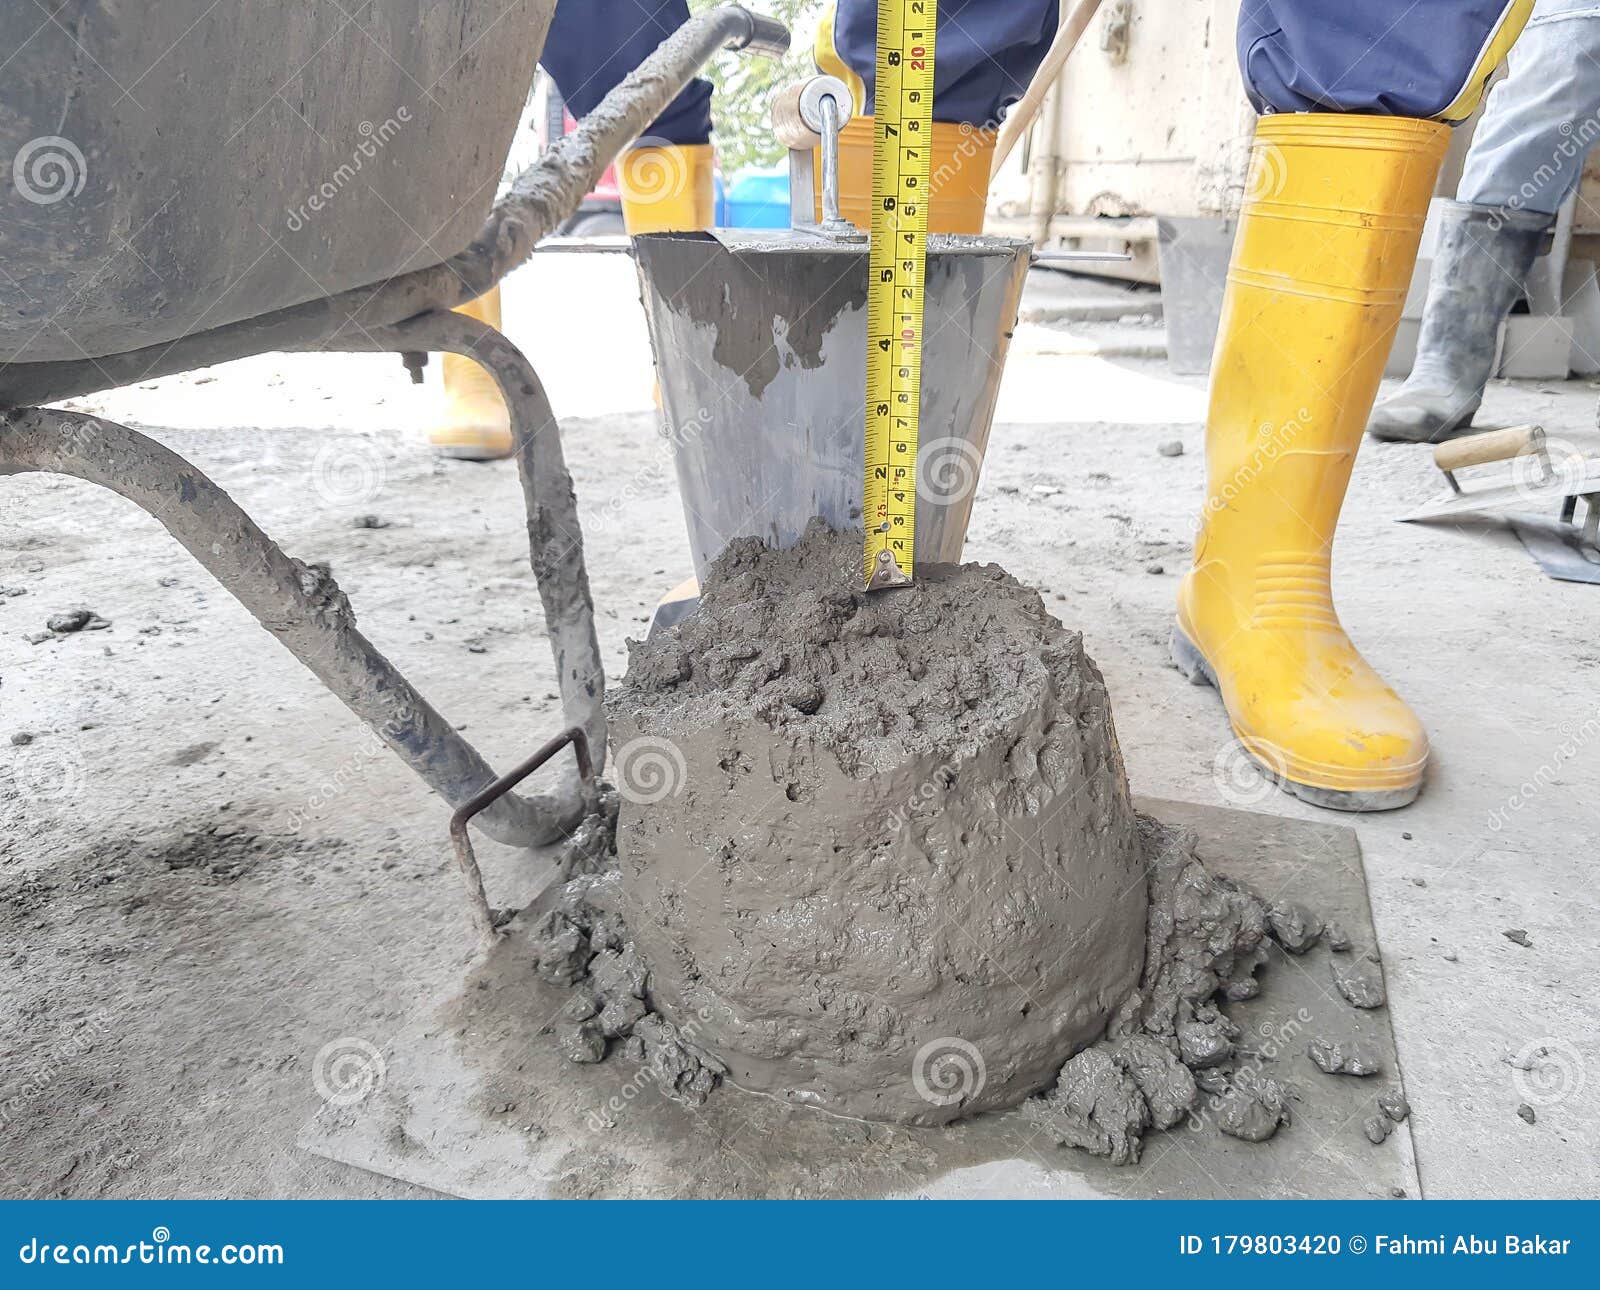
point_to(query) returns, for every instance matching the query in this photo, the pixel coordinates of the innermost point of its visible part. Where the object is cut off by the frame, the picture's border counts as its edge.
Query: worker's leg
(986, 54)
(1424, 59)
(475, 425)
(1326, 242)
(1526, 157)
(666, 179)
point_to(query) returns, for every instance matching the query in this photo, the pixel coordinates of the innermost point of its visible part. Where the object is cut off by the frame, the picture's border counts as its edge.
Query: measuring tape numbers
(902, 141)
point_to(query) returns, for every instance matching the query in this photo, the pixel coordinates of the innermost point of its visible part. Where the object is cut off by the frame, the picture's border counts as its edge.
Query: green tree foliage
(740, 110)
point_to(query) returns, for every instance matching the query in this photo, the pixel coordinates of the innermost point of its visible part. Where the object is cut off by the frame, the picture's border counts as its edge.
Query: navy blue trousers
(987, 52)
(1387, 57)
(593, 44)
(1382, 57)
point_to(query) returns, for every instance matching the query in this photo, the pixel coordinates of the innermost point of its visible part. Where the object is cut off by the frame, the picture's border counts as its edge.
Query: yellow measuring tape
(902, 138)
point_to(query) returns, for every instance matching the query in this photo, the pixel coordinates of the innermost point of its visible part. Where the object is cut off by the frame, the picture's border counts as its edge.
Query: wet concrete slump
(827, 903)
(901, 878)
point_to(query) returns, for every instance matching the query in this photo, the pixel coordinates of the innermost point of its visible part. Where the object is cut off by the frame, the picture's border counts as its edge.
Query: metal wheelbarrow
(188, 202)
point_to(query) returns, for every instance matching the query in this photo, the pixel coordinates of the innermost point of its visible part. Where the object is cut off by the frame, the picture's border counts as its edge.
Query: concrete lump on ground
(1170, 1042)
(582, 943)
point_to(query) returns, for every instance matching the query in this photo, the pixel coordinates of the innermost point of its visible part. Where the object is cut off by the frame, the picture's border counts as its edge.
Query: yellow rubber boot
(668, 188)
(1327, 239)
(476, 425)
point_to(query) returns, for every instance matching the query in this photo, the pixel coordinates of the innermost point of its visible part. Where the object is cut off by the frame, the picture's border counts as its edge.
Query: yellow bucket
(958, 175)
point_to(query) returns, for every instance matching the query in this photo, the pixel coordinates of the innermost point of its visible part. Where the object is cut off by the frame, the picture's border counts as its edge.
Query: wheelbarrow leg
(555, 539)
(298, 603)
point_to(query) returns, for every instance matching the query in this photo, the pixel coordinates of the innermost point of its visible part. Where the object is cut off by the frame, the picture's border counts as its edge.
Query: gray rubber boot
(1479, 271)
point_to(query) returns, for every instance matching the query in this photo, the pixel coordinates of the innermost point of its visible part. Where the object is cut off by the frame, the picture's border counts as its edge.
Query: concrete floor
(211, 879)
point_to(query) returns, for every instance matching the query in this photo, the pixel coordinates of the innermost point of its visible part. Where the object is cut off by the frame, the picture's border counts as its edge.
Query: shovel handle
(1492, 445)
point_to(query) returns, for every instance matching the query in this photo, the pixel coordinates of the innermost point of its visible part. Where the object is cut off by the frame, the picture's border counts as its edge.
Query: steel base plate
(477, 1102)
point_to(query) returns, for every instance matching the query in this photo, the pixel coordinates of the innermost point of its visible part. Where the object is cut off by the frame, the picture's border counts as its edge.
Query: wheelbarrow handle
(541, 197)
(767, 36)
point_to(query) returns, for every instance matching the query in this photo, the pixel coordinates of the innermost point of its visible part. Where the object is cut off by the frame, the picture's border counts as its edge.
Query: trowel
(1539, 500)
